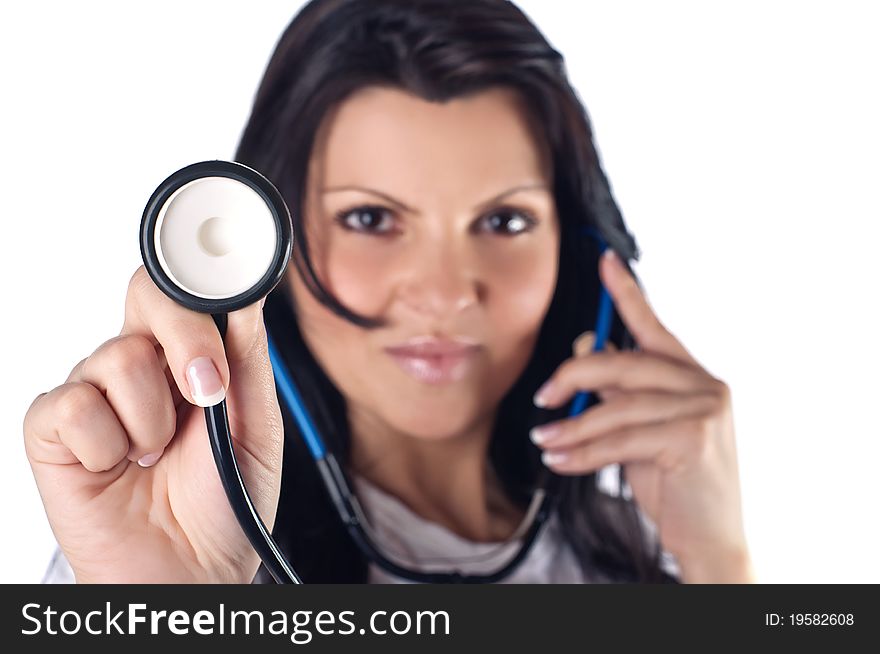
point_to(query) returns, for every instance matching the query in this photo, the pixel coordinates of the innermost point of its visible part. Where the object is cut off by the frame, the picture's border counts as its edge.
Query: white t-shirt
(427, 546)
(430, 546)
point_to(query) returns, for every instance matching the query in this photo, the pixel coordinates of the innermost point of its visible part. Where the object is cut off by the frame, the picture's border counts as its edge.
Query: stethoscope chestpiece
(216, 236)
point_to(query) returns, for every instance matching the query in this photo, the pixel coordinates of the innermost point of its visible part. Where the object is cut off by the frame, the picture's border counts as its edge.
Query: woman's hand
(120, 451)
(669, 423)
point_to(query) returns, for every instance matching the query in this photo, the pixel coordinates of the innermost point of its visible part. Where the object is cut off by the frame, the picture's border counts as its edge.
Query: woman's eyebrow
(392, 200)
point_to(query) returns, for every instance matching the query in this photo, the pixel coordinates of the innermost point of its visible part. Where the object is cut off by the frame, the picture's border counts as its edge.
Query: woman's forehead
(387, 135)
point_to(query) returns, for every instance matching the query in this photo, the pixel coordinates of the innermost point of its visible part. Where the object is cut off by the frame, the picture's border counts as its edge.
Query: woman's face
(439, 220)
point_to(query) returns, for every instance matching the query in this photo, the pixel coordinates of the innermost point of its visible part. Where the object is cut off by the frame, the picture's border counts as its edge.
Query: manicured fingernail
(543, 395)
(149, 459)
(611, 255)
(204, 382)
(554, 458)
(544, 433)
(583, 344)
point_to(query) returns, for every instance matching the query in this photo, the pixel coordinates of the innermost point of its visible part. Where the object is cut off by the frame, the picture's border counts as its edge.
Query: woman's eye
(367, 219)
(508, 222)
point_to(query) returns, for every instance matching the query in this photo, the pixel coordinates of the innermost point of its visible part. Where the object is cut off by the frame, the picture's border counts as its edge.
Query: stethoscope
(215, 237)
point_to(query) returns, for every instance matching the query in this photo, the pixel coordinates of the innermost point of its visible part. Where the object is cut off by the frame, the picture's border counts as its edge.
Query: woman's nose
(443, 281)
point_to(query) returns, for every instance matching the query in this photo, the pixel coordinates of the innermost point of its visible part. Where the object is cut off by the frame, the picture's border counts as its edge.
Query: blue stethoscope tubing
(603, 327)
(292, 398)
(604, 319)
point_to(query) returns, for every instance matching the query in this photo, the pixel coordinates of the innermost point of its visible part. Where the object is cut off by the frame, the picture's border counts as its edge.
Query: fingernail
(204, 382)
(583, 344)
(554, 458)
(149, 459)
(542, 397)
(544, 433)
(611, 255)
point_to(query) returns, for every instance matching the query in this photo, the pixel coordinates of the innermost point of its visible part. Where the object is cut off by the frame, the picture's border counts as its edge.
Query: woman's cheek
(520, 287)
(519, 281)
(355, 278)
(358, 273)
(353, 274)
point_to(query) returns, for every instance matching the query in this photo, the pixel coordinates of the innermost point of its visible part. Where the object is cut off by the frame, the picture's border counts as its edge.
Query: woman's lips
(435, 360)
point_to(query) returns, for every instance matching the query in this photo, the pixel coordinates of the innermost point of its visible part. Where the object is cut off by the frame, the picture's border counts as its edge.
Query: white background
(741, 139)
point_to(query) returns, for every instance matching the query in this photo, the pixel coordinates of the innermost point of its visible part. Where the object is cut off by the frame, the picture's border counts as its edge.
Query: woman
(441, 173)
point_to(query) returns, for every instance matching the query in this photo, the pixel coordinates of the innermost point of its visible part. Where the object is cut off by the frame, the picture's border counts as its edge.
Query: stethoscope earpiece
(216, 236)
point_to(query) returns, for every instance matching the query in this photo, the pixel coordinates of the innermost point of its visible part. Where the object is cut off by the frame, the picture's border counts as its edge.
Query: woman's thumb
(245, 336)
(251, 398)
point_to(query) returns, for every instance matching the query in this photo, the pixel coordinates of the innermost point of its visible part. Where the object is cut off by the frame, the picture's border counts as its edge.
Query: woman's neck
(448, 481)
